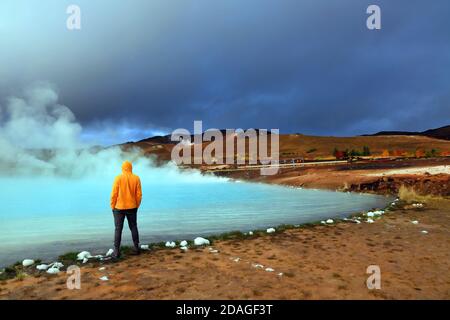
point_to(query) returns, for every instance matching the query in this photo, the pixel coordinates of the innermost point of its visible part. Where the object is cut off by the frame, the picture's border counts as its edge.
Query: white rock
(330, 221)
(199, 241)
(357, 221)
(184, 248)
(109, 252)
(27, 262)
(270, 230)
(236, 259)
(53, 270)
(323, 222)
(170, 244)
(415, 222)
(370, 214)
(280, 274)
(104, 278)
(183, 243)
(145, 247)
(84, 255)
(56, 265)
(101, 269)
(250, 233)
(378, 212)
(257, 265)
(42, 267)
(369, 220)
(85, 260)
(269, 270)
(424, 231)
(214, 251)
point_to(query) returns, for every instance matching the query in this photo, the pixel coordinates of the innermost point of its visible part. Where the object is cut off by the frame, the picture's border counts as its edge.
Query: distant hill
(321, 147)
(438, 133)
(167, 138)
(157, 139)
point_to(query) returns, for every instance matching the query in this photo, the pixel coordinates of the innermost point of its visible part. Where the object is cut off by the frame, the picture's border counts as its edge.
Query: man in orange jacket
(126, 198)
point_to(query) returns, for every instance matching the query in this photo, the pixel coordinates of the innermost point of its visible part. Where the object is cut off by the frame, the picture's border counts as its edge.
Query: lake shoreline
(312, 261)
(232, 206)
(211, 236)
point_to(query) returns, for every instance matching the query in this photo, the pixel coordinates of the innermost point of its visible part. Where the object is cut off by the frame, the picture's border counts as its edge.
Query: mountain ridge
(437, 133)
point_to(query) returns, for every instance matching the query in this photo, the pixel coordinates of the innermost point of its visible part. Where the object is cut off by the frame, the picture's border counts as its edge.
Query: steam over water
(55, 190)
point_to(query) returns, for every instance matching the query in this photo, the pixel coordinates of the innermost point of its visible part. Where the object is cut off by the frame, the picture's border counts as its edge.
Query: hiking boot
(136, 250)
(116, 254)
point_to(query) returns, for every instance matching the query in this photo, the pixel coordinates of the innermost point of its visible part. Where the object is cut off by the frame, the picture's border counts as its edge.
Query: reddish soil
(355, 177)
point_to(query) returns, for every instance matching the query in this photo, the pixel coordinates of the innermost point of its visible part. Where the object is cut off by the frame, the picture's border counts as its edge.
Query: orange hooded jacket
(126, 191)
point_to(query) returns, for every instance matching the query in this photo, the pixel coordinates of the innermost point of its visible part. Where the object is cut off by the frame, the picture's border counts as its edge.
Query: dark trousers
(119, 218)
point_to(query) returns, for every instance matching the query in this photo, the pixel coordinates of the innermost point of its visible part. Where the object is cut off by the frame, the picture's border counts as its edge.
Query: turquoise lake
(45, 217)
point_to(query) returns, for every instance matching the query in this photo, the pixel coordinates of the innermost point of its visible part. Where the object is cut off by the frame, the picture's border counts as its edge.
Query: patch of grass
(10, 272)
(126, 250)
(232, 235)
(284, 227)
(409, 195)
(158, 245)
(20, 276)
(69, 256)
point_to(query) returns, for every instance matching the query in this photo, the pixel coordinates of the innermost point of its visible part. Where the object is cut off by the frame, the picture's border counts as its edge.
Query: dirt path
(321, 262)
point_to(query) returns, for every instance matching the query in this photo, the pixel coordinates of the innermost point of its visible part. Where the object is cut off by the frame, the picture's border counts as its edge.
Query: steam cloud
(40, 137)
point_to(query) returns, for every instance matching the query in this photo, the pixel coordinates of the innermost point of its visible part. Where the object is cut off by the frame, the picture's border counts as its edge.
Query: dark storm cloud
(301, 66)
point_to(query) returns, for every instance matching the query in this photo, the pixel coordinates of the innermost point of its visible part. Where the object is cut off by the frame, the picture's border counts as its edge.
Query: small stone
(199, 241)
(53, 270)
(27, 262)
(183, 243)
(42, 267)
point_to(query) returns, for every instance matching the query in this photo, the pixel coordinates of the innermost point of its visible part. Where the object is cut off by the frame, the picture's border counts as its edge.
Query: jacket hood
(127, 167)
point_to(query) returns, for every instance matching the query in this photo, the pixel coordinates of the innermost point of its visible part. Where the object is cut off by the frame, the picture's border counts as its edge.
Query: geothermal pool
(45, 217)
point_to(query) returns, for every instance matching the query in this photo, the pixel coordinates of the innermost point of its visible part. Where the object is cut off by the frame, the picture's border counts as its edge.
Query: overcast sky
(138, 68)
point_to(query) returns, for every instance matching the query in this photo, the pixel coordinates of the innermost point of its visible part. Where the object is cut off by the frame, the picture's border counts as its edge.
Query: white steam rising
(40, 137)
